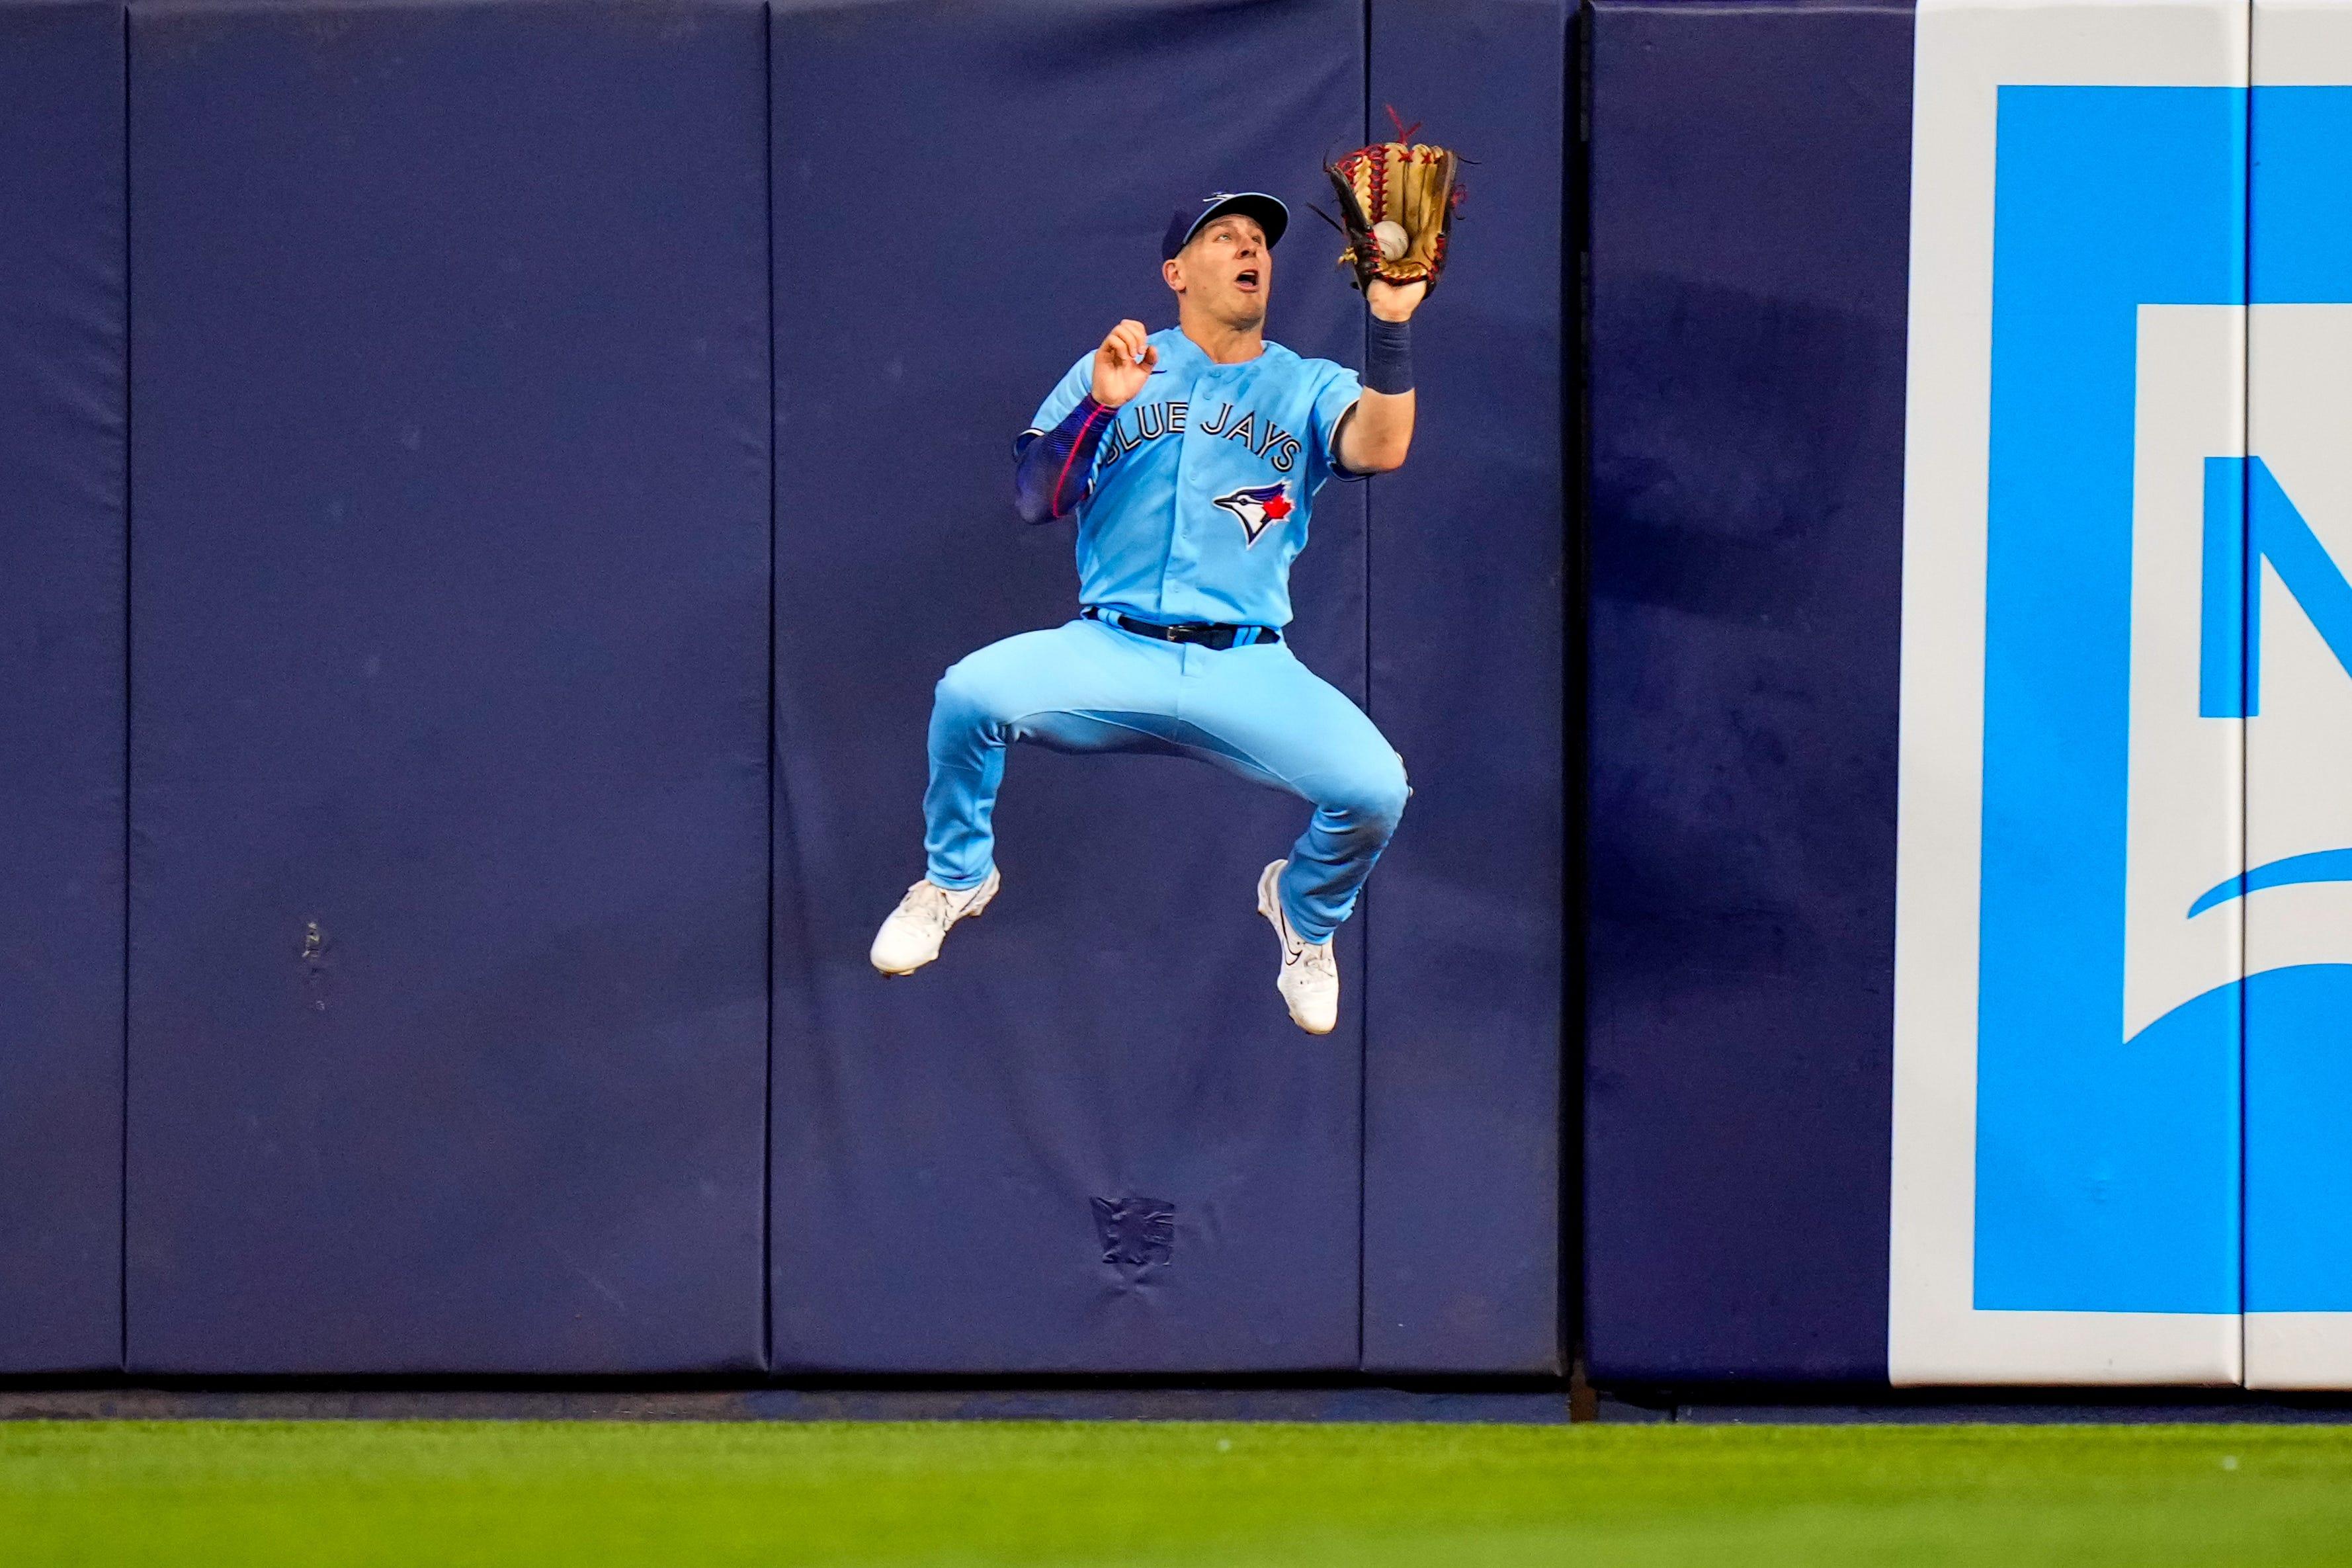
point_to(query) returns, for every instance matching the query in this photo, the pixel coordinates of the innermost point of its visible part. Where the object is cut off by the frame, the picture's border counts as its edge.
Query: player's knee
(1374, 795)
(966, 695)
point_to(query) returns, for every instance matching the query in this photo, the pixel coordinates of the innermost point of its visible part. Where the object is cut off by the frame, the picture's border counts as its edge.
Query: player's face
(1226, 271)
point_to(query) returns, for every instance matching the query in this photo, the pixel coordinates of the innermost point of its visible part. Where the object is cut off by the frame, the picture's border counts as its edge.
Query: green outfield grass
(583, 1494)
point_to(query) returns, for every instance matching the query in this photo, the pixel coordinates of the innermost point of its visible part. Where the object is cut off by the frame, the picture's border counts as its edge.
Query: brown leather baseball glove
(1396, 208)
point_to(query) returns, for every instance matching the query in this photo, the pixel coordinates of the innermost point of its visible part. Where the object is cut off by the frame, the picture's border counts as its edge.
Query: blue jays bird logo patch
(1257, 507)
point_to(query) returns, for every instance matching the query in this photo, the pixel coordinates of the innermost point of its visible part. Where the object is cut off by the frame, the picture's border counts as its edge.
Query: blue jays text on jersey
(1203, 485)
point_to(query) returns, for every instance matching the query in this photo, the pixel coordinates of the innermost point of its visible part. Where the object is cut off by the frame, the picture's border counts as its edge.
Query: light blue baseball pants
(1254, 711)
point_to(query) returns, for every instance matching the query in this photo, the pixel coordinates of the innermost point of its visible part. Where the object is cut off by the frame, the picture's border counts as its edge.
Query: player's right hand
(1123, 363)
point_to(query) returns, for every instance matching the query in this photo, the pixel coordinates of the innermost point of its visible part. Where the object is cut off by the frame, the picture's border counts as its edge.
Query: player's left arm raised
(1397, 201)
(1378, 431)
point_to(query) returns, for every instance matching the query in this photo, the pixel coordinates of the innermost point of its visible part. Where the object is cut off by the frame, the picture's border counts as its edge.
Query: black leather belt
(1207, 633)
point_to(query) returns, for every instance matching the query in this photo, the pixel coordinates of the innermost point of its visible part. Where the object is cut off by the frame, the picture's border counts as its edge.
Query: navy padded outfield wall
(1749, 169)
(61, 692)
(1462, 1045)
(450, 590)
(1087, 1139)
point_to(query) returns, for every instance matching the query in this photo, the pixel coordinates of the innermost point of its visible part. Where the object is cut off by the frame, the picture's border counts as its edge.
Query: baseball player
(1190, 457)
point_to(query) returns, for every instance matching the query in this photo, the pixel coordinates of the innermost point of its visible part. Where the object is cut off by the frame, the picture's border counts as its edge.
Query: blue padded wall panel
(61, 685)
(1750, 189)
(1110, 1031)
(451, 579)
(1462, 1043)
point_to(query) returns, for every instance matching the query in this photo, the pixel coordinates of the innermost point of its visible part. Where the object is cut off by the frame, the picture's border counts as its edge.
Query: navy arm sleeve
(1055, 469)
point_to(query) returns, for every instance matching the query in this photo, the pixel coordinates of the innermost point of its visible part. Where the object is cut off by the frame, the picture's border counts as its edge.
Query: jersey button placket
(1176, 569)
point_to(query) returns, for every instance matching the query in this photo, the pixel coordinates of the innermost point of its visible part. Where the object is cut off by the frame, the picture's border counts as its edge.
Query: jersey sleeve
(1056, 471)
(1059, 403)
(1334, 400)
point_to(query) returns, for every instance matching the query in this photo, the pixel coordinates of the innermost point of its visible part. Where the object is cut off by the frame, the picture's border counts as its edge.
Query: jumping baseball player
(1191, 457)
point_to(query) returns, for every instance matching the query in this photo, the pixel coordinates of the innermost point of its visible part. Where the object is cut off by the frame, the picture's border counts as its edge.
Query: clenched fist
(1123, 363)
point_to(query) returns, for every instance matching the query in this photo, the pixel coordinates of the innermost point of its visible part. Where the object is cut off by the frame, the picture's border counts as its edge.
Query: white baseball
(1390, 237)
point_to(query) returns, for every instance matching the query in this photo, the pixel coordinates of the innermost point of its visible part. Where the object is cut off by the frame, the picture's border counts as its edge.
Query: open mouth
(1246, 279)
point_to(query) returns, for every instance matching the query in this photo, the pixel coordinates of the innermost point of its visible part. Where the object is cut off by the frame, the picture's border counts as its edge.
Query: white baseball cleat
(910, 938)
(1309, 981)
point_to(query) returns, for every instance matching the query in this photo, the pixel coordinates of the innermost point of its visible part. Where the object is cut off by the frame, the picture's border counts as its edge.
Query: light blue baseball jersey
(1203, 486)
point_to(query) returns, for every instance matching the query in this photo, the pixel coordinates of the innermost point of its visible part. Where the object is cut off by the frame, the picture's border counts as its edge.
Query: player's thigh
(1261, 713)
(1079, 686)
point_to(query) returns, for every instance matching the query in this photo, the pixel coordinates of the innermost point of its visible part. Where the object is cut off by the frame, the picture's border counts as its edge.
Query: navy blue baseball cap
(1271, 215)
